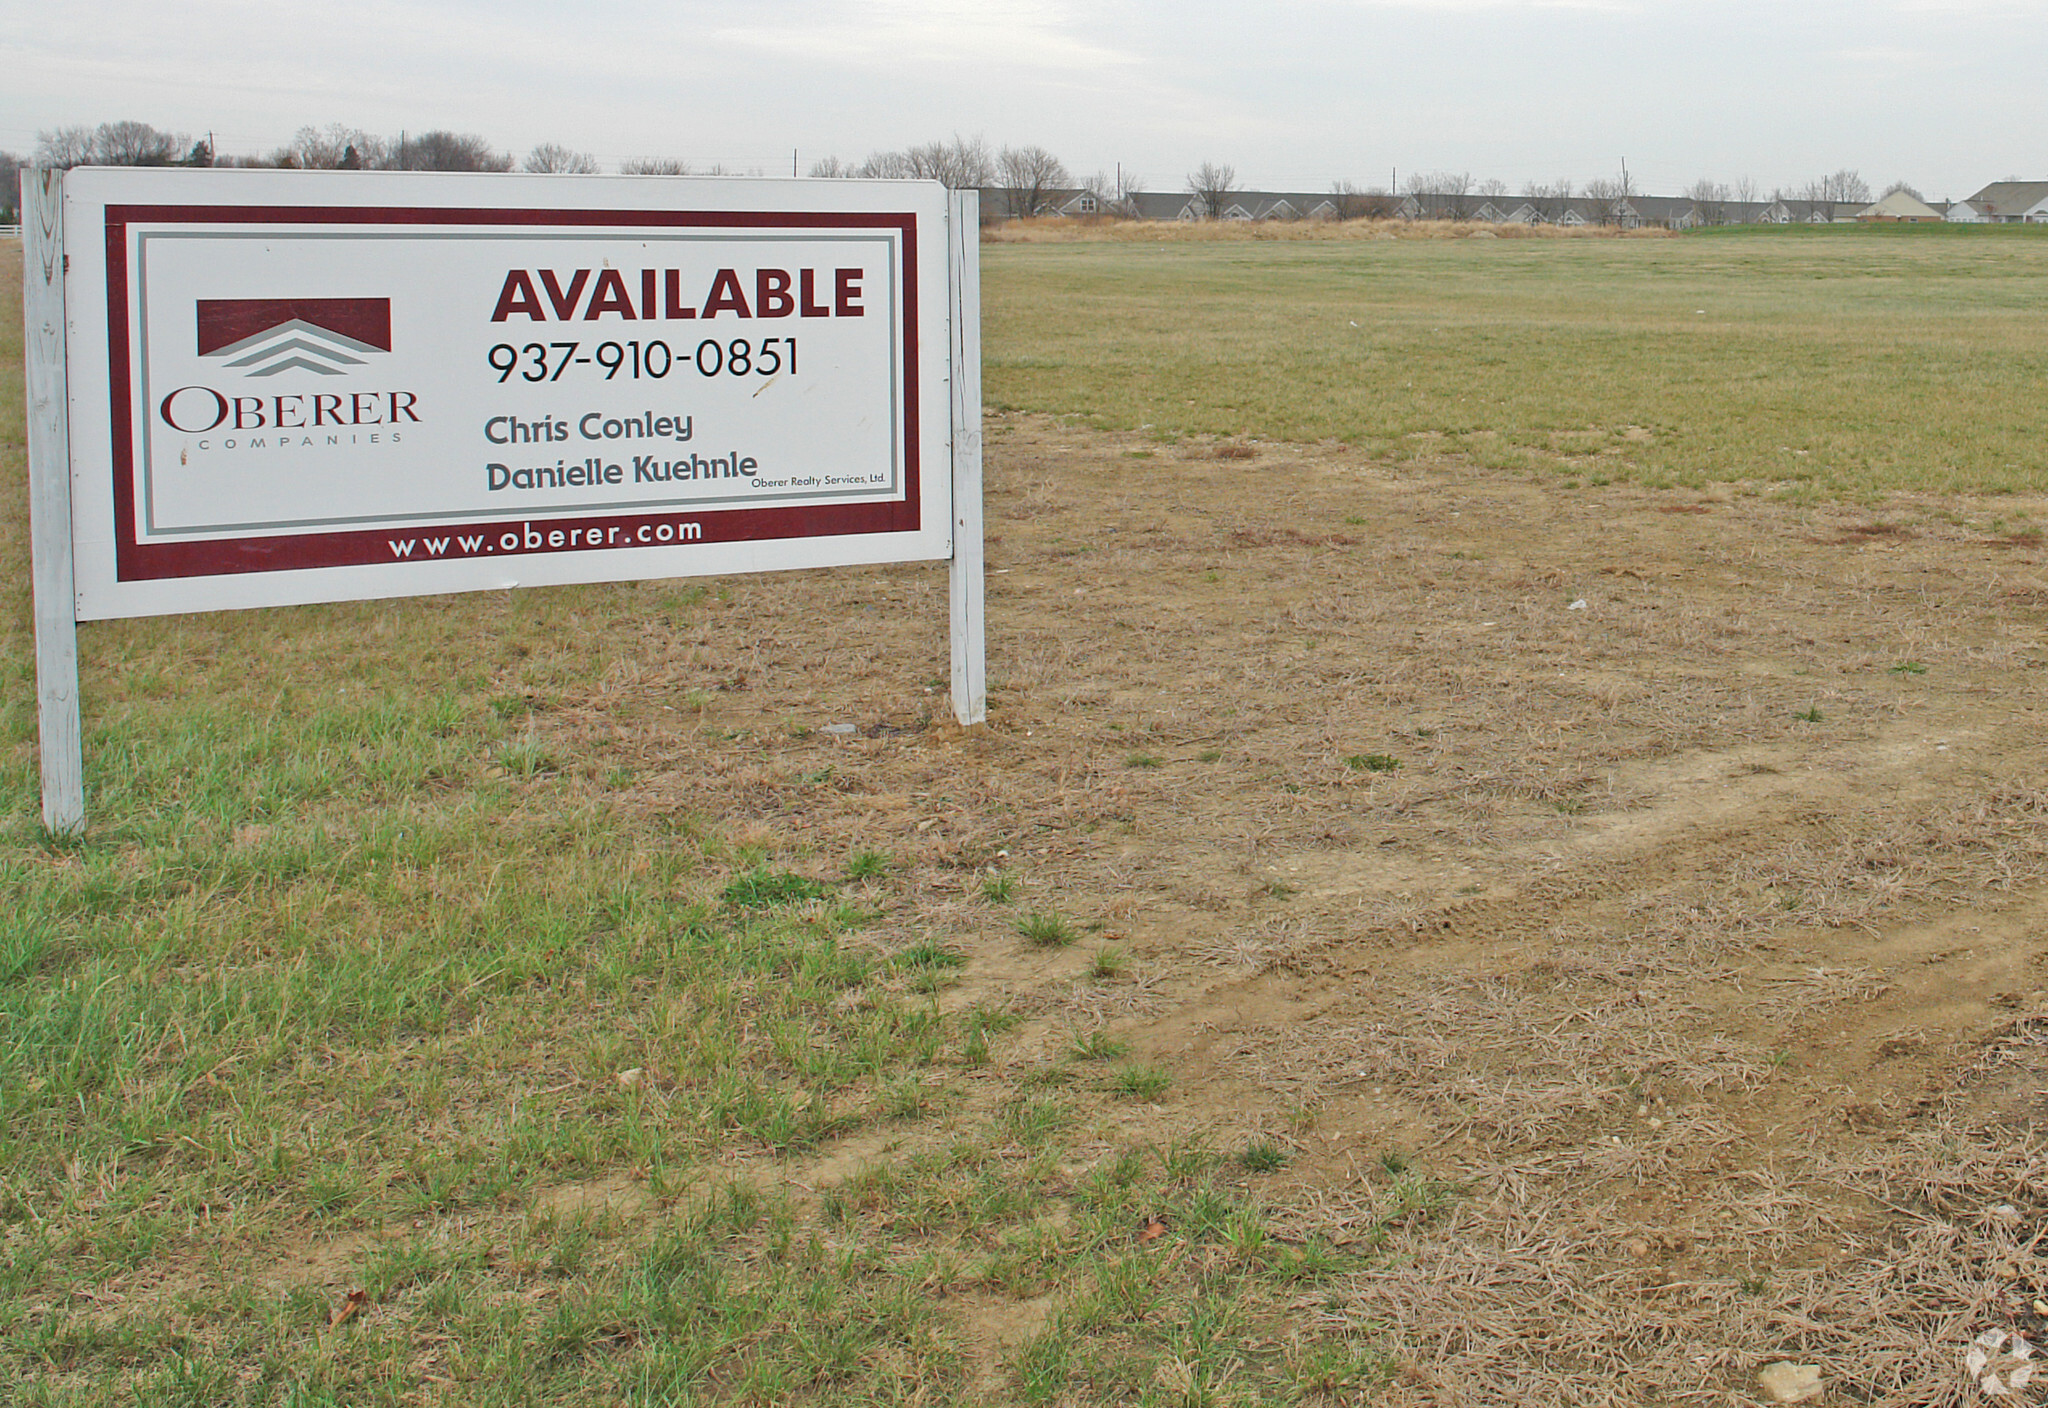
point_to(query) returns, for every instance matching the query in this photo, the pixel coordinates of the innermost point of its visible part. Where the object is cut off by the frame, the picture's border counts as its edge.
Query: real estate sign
(288, 387)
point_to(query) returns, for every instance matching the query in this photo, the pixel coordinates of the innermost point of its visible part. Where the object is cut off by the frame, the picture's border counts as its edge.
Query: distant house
(2008, 203)
(1900, 207)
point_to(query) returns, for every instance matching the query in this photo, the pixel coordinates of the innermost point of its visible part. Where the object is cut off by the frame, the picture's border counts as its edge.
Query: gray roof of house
(2010, 197)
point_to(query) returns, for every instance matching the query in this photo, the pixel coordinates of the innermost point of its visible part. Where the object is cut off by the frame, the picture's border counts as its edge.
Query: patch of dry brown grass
(1525, 1290)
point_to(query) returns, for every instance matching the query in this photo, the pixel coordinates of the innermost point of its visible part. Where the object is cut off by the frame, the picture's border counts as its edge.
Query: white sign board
(293, 386)
(290, 387)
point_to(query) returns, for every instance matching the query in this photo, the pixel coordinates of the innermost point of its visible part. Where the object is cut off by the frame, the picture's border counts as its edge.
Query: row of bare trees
(119, 144)
(1027, 176)
(336, 147)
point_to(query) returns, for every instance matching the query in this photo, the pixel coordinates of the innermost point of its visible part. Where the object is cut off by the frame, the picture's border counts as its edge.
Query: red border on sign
(136, 561)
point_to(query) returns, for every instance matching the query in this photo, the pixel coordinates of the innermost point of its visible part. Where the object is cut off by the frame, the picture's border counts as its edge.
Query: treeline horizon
(1027, 175)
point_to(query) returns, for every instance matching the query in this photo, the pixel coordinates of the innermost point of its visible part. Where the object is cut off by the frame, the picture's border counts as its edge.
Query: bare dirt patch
(1664, 879)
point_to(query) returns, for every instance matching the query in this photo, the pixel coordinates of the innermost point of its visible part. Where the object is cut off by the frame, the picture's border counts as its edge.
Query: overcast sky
(1947, 94)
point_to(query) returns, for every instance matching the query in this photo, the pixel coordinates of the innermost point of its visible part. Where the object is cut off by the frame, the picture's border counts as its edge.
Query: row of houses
(2000, 202)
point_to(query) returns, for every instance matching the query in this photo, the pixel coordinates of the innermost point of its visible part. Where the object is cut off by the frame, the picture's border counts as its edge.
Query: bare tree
(1827, 194)
(831, 168)
(551, 158)
(1212, 185)
(1746, 196)
(63, 148)
(883, 166)
(961, 164)
(1028, 175)
(1850, 188)
(336, 147)
(653, 166)
(116, 144)
(1491, 188)
(1606, 195)
(446, 151)
(1709, 201)
(1347, 201)
(1895, 187)
(135, 144)
(1440, 195)
(10, 186)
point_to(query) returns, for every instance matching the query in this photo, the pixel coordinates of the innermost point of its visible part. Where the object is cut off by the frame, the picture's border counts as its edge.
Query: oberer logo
(263, 337)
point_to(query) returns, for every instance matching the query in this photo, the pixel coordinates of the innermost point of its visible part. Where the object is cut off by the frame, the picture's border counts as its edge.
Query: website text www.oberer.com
(527, 538)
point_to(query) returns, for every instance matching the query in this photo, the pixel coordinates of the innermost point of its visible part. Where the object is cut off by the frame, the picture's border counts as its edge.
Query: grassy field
(1827, 362)
(391, 1038)
(372, 1047)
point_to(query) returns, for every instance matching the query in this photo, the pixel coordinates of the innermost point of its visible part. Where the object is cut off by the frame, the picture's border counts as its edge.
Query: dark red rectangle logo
(224, 322)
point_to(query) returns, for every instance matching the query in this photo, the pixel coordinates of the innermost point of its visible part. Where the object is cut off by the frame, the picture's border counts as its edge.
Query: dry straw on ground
(1657, 943)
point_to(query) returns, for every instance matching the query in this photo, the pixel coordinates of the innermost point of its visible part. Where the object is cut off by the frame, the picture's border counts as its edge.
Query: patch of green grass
(999, 889)
(762, 888)
(1140, 1082)
(1372, 762)
(1909, 667)
(867, 865)
(1142, 760)
(527, 758)
(1338, 1370)
(1099, 1045)
(1590, 349)
(1811, 715)
(1209, 755)
(1047, 929)
(927, 953)
(1262, 1156)
(1110, 962)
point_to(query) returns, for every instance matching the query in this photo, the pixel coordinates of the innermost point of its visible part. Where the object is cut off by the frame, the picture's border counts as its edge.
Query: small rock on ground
(1786, 1382)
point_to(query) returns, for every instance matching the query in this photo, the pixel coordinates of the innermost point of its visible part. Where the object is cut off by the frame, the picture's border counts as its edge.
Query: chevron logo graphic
(265, 336)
